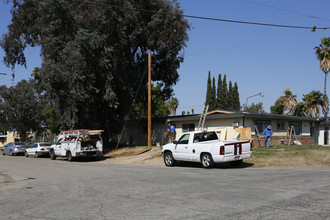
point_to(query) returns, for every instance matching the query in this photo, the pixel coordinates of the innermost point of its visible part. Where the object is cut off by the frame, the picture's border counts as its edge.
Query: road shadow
(216, 166)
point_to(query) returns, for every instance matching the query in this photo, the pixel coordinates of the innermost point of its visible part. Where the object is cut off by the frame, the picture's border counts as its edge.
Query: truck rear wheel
(52, 155)
(69, 156)
(169, 160)
(207, 160)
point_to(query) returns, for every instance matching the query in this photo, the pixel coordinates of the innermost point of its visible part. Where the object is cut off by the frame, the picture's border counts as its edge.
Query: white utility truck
(82, 143)
(205, 147)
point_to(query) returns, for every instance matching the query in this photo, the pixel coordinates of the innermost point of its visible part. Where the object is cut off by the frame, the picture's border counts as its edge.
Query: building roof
(238, 114)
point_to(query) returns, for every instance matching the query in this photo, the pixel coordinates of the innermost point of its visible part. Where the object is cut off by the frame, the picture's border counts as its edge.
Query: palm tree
(313, 101)
(323, 55)
(289, 102)
(173, 105)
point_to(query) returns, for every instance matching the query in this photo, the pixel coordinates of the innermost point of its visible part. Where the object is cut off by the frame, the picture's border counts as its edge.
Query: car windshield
(19, 143)
(45, 144)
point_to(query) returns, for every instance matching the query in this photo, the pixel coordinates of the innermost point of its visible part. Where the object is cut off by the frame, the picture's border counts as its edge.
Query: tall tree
(323, 55)
(225, 92)
(94, 56)
(289, 102)
(313, 101)
(209, 91)
(219, 93)
(237, 104)
(213, 103)
(230, 96)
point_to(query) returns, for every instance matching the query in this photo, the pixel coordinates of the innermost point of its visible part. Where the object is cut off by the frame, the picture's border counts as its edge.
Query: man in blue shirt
(268, 133)
(172, 132)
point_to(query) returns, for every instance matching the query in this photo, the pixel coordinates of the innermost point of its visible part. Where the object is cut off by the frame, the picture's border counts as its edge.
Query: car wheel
(52, 155)
(169, 160)
(3, 153)
(36, 154)
(26, 154)
(236, 163)
(69, 156)
(207, 161)
(10, 153)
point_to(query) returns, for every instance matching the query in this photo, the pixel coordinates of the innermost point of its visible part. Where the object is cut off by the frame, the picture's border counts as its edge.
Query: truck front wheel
(169, 160)
(207, 161)
(52, 155)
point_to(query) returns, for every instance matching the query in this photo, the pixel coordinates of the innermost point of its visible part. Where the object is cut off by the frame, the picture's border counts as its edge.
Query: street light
(260, 93)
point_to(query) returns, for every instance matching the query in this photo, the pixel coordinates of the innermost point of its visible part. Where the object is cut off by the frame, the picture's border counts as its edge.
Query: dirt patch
(152, 157)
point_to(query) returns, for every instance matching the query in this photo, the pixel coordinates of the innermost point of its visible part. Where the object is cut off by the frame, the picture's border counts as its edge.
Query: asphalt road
(39, 188)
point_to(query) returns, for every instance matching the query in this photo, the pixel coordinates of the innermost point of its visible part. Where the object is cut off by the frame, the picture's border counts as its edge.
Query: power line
(204, 18)
(286, 10)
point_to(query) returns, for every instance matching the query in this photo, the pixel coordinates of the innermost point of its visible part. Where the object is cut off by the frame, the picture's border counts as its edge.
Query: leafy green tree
(159, 105)
(219, 93)
(230, 97)
(300, 108)
(313, 101)
(255, 108)
(21, 106)
(277, 108)
(95, 56)
(323, 55)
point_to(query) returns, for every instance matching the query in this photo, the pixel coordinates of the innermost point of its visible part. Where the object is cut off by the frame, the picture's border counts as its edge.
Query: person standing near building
(172, 132)
(268, 132)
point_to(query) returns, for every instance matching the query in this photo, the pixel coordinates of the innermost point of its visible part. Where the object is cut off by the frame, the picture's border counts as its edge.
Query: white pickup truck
(205, 147)
(78, 143)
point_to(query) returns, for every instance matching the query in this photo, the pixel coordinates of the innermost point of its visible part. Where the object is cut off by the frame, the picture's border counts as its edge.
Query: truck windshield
(205, 136)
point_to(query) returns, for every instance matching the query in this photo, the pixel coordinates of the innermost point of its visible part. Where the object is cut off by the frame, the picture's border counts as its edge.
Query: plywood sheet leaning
(232, 134)
(245, 133)
(222, 133)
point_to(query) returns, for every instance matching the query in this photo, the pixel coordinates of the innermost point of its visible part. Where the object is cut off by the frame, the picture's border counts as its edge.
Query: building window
(188, 127)
(297, 127)
(280, 125)
(262, 125)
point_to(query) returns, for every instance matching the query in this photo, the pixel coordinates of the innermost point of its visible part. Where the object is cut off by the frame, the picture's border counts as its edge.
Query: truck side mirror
(175, 142)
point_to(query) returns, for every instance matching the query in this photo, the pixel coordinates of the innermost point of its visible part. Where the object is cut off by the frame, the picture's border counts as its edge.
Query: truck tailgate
(237, 148)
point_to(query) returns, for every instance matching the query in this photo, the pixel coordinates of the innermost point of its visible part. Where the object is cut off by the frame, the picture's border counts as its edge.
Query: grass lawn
(290, 156)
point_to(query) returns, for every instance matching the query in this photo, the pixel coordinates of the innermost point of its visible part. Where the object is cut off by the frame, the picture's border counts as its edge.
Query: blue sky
(258, 58)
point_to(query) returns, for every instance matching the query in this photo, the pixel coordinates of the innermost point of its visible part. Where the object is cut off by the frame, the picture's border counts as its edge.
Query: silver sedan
(14, 148)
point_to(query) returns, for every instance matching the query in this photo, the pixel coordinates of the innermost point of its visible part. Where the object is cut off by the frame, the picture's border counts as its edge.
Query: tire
(169, 160)
(52, 155)
(36, 154)
(10, 153)
(207, 160)
(26, 154)
(3, 153)
(236, 163)
(69, 156)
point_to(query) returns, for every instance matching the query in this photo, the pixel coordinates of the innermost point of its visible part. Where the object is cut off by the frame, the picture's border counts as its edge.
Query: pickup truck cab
(77, 144)
(205, 147)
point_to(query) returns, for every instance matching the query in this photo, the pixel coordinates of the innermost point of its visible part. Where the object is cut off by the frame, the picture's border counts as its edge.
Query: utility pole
(149, 100)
